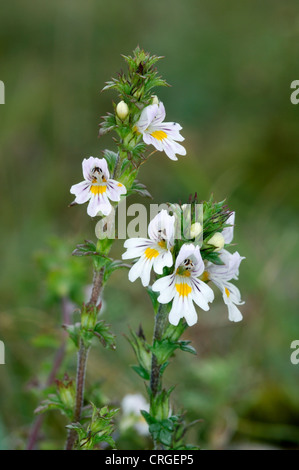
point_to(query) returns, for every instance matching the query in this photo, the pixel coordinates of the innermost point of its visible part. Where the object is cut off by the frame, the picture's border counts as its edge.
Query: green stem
(160, 324)
(82, 361)
(156, 379)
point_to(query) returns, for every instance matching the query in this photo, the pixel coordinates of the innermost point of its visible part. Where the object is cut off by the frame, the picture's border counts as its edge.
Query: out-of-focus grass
(231, 66)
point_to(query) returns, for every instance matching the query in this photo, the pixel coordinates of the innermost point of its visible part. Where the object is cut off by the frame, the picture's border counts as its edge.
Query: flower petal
(81, 191)
(228, 232)
(98, 203)
(115, 190)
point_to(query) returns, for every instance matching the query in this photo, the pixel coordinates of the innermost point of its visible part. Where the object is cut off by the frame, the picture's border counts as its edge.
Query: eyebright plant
(177, 270)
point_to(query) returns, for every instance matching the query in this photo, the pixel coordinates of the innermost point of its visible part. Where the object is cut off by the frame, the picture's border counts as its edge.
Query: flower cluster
(98, 188)
(188, 283)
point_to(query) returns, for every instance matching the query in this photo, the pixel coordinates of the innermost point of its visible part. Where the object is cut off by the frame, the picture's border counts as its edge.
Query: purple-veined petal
(81, 191)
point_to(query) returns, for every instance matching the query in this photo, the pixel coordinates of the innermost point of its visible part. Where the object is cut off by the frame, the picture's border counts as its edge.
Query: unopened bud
(155, 99)
(122, 110)
(195, 229)
(217, 240)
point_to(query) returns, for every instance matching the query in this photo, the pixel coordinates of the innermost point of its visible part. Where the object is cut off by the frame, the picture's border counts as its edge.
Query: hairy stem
(160, 323)
(82, 361)
(155, 379)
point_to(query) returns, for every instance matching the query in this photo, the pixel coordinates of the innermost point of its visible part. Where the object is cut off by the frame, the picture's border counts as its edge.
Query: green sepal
(63, 400)
(107, 339)
(142, 351)
(53, 402)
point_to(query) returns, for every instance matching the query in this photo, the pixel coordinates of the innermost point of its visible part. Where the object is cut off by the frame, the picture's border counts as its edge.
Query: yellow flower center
(151, 253)
(159, 135)
(205, 276)
(96, 189)
(162, 244)
(227, 292)
(181, 271)
(183, 289)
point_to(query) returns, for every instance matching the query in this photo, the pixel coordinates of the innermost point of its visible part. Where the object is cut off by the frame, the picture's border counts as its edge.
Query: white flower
(184, 287)
(97, 187)
(153, 252)
(221, 275)
(131, 406)
(122, 110)
(228, 232)
(162, 135)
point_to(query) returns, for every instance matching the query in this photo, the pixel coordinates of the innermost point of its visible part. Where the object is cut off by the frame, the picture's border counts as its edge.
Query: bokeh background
(230, 65)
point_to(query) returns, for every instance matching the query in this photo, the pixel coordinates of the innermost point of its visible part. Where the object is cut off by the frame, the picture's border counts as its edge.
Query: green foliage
(161, 430)
(63, 275)
(238, 139)
(101, 331)
(143, 353)
(98, 431)
(89, 328)
(63, 400)
(135, 89)
(140, 189)
(142, 77)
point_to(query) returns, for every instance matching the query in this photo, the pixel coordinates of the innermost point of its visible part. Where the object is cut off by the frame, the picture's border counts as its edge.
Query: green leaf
(185, 346)
(85, 249)
(163, 350)
(148, 418)
(113, 266)
(212, 256)
(142, 372)
(111, 158)
(165, 437)
(74, 332)
(139, 188)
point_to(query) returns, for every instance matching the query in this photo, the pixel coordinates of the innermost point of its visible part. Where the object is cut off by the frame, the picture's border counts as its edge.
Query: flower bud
(195, 230)
(122, 110)
(217, 240)
(66, 390)
(155, 99)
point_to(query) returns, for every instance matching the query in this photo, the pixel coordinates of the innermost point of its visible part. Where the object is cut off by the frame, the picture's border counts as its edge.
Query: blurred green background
(230, 65)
